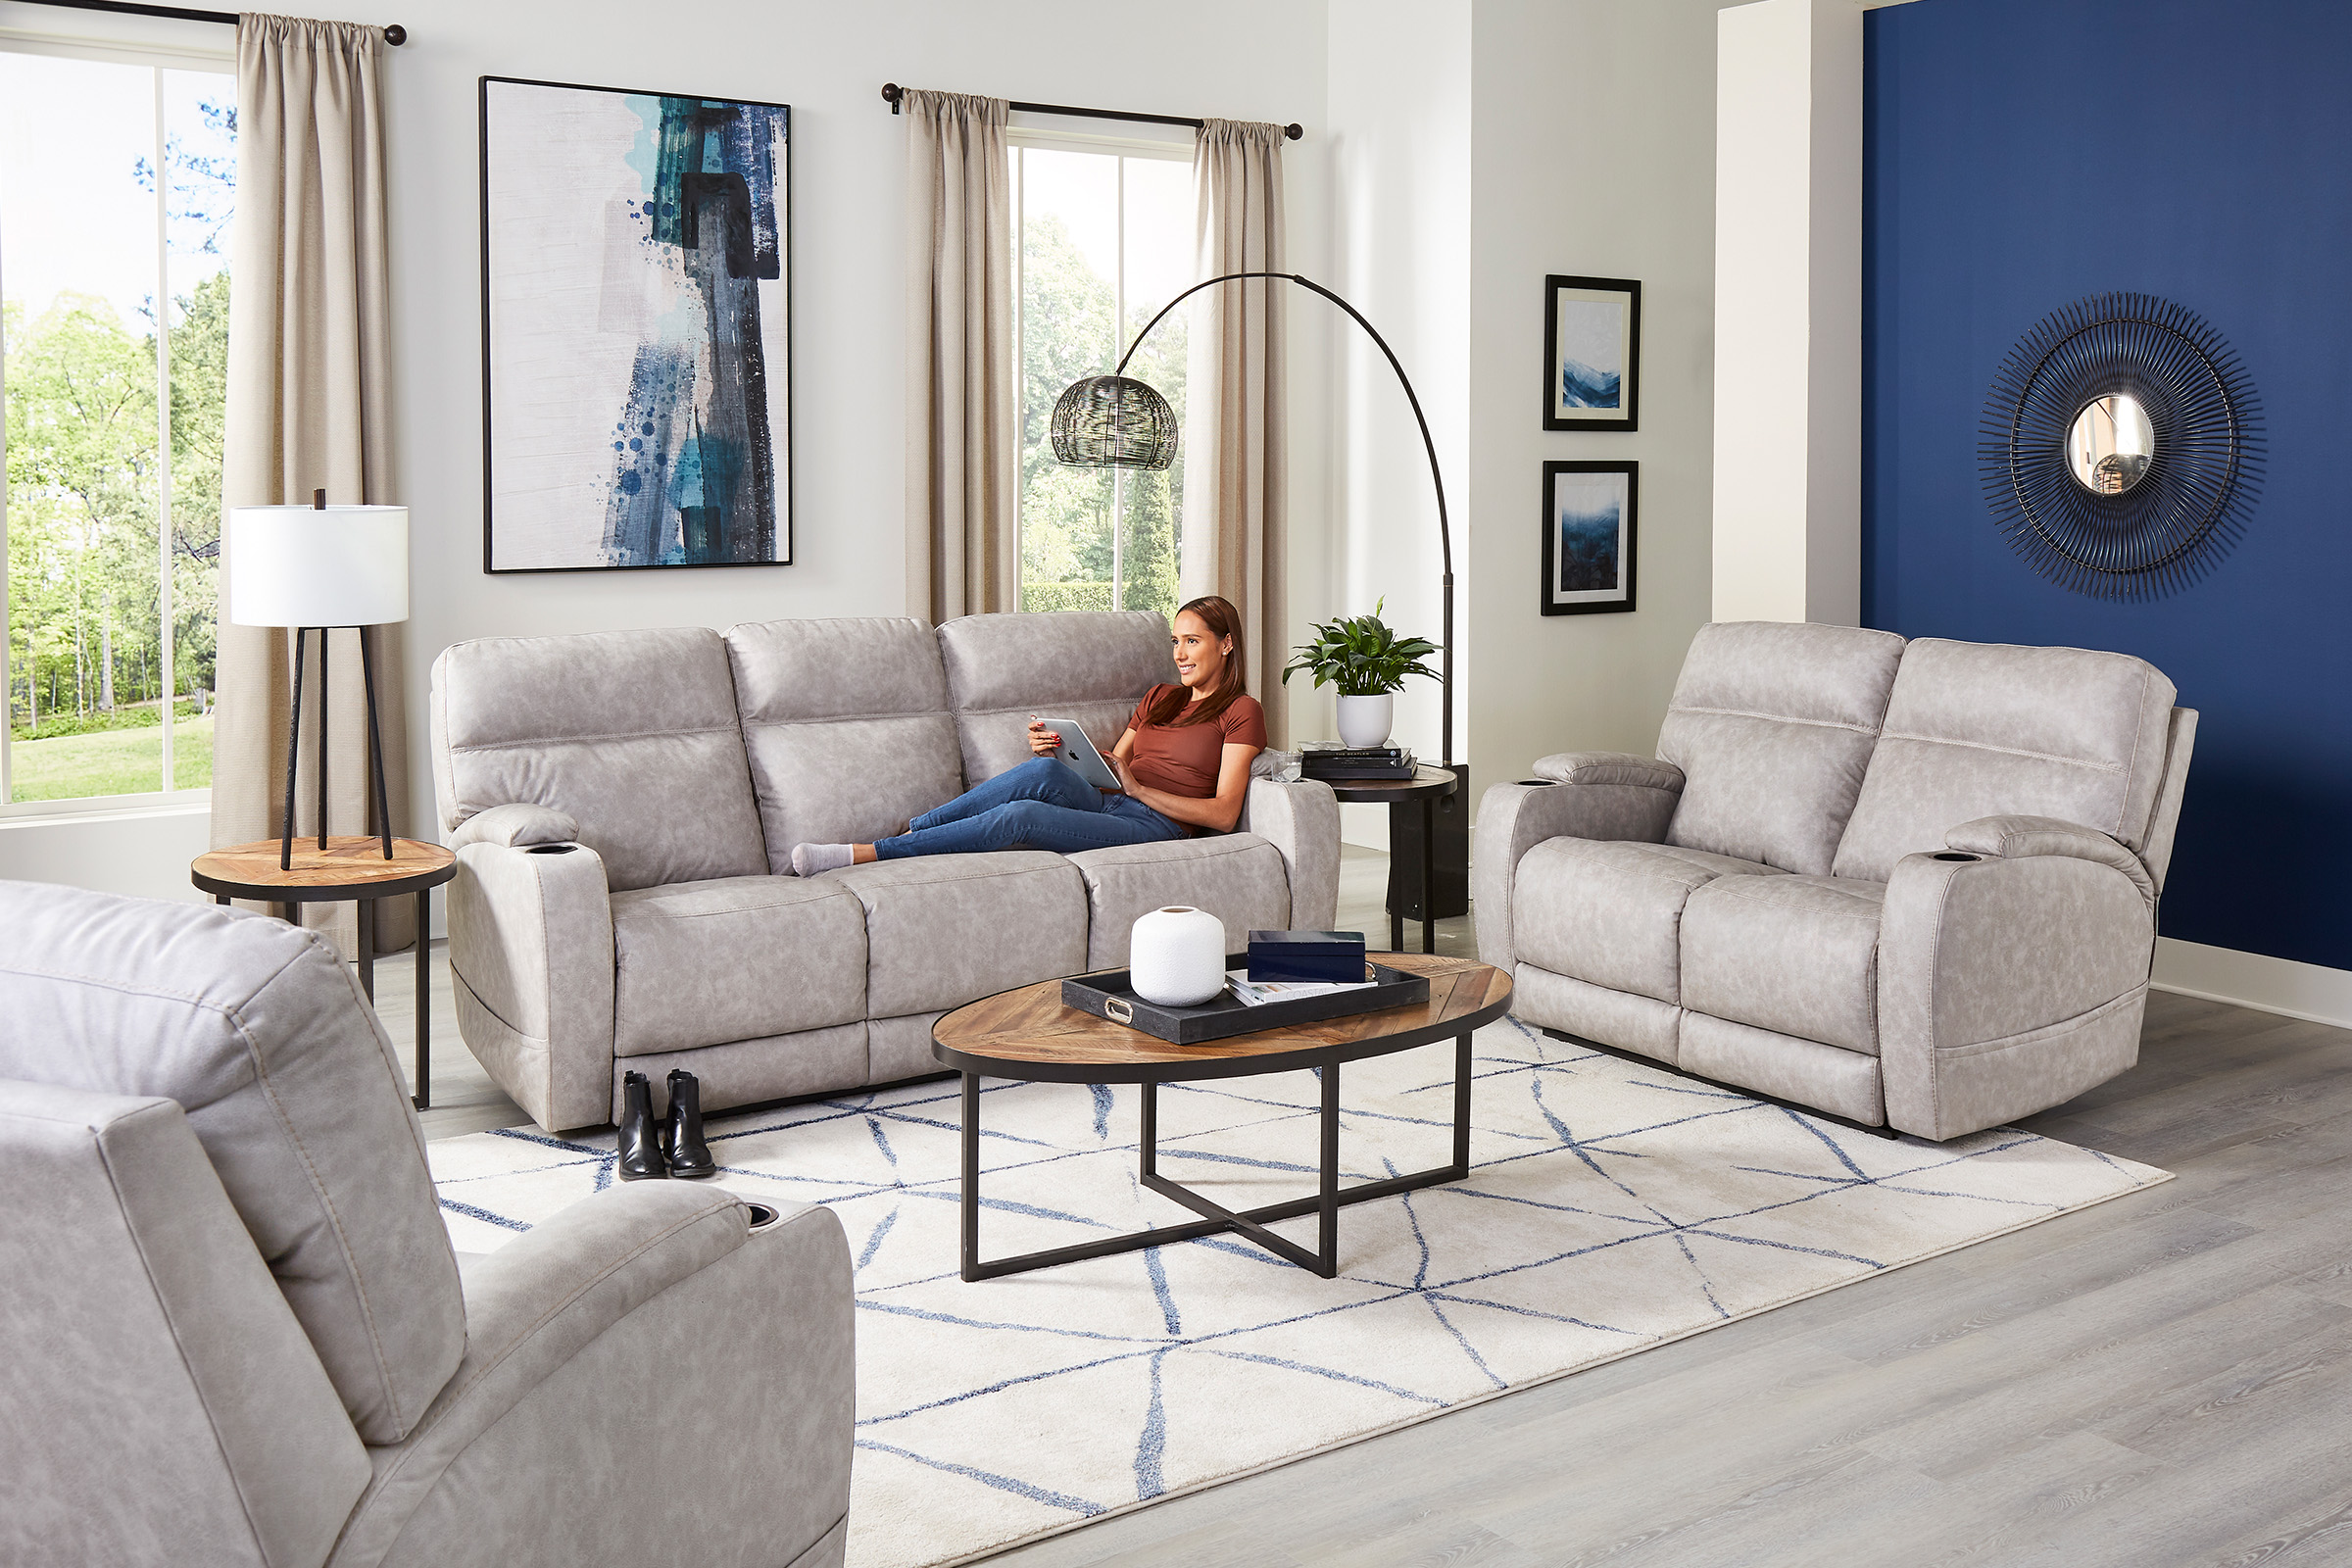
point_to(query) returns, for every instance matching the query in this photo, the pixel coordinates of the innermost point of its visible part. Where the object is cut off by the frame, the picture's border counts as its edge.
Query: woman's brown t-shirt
(1185, 758)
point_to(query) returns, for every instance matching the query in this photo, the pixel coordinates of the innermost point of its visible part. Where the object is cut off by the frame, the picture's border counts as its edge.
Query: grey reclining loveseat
(238, 1337)
(625, 807)
(1911, 884)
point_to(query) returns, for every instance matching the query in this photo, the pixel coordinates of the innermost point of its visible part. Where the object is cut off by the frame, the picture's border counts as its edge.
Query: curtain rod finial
(396, 35)
(892, 92)
(1293, 131)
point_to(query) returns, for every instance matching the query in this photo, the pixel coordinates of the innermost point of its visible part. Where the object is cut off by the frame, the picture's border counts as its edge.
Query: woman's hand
(1042, 741)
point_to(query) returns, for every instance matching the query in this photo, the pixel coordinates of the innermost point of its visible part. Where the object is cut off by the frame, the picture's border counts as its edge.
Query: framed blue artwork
(1592, 353)
(1588, 537)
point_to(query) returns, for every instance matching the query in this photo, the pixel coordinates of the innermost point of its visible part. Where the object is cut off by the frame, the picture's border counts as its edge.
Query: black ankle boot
(640, 1145)
(682, 1133)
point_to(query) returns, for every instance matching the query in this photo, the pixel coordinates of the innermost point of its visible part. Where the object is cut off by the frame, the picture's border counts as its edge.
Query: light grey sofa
(239, 1336)
(625, 807)
(1910, 884)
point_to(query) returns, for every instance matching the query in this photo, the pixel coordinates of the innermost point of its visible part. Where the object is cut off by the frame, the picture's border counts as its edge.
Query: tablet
(1079, 752)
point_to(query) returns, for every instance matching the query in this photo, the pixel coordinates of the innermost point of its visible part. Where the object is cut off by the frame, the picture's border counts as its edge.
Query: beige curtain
(962, 434)
(309, 351)
(1233, 422)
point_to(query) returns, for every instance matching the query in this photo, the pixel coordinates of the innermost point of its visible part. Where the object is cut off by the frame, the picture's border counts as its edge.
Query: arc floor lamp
(1115, 422)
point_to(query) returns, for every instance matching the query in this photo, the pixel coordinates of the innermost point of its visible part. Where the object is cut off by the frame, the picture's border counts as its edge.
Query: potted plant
(1364, 658)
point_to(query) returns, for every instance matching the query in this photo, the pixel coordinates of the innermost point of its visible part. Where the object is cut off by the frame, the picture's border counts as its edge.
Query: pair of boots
(671, 1147)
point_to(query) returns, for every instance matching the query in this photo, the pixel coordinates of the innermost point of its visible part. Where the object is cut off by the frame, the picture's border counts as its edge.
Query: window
(113, 345)
(1105, 241)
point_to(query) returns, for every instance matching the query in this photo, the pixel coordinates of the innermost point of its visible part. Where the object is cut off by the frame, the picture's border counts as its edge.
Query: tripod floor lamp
(321, 567)
(1115, 422)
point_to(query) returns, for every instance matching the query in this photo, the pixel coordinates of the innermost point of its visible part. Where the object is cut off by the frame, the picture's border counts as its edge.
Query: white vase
(1176, 957)
(1364, 721)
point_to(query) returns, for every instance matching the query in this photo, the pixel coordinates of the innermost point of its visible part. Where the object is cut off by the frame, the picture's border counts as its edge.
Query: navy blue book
(1325, 958)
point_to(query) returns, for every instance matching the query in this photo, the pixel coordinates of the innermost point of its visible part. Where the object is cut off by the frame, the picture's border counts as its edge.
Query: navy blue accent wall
(2021, 154)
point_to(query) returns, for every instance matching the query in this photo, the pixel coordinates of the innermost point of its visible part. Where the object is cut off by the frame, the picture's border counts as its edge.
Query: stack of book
(1357, 764)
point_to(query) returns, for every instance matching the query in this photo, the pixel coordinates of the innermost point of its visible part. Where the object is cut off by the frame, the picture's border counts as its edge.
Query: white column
(1789, 312)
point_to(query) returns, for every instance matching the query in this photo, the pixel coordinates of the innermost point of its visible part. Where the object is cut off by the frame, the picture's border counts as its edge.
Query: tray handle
(1118, 1009)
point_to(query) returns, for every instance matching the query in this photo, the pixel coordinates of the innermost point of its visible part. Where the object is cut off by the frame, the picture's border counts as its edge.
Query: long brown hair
(1174, 704)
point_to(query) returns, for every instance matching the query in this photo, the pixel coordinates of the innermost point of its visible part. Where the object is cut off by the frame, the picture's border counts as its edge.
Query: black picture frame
(776, 377)
(1559, 412)
(1556, 599)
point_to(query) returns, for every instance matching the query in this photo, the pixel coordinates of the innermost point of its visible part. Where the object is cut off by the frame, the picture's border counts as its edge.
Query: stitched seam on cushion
(1777, 718)
(2136, 731)
(2005, 751)
(592, 740)
(1934, 958)
(751, 723)
(2045, 1032)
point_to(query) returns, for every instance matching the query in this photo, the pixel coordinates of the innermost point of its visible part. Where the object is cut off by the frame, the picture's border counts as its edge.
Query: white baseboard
(2307, 991)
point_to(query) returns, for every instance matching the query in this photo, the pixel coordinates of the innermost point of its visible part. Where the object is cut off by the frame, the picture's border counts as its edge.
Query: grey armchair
(239, 1335)
(1911, 884)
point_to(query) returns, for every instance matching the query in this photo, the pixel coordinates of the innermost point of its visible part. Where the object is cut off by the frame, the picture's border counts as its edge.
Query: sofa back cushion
(1981, 729)
(1771, 723)
(847, 726)
(631, 733)
(258, 1030)
(1090, 666)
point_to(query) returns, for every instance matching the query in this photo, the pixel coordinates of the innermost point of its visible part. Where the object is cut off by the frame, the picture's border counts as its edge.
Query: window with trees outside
(113, 343)
(1105, 240)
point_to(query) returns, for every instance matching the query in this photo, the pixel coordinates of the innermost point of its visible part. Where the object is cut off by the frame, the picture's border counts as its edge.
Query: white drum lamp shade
(318, 565)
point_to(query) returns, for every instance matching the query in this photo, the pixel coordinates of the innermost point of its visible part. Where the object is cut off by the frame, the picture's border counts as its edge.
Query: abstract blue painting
(1587, 537)
(637, 329)
(1592, 353)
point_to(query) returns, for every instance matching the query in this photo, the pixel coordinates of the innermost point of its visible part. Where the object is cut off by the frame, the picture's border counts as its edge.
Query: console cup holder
(763, 1215)
(1534, 781)
(551, 848)
(1956, 855)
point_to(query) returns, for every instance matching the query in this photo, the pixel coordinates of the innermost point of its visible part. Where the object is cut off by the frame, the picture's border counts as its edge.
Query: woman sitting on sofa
(1183, 759)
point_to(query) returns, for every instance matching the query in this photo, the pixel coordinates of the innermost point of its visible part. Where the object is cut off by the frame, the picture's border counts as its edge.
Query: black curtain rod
(892, 93)
(395, 34)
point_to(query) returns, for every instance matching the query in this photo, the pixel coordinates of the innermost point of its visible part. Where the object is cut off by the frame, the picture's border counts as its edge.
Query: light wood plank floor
(2164, 1380)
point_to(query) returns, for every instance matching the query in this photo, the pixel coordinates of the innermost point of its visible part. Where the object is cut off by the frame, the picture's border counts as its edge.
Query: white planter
(1176, 956)
(1365, 720)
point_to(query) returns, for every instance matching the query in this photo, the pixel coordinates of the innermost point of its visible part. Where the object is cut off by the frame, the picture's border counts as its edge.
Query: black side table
(330, 871)
(1428, 785)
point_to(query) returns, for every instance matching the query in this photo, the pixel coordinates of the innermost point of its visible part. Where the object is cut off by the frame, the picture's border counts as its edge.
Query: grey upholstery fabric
(1238, 877)
(949, 929)
(901, 1048)
(2009, 959)
(514, 824)
(1842, 1082)
(163, 1403)
(747, 1072)
(2015, 837)
(1514, 818)
(1301, 820)
(633, 734)
(1611, 767)
(531, 955)
(700, 964)
(1979, 730)
(1793, 953)
(1773, 724)
(1090, 666)
(1595, 1012)
(846, 722)
(1611, 913)
(258, 1031)
(586, 1320)
(2165, 820)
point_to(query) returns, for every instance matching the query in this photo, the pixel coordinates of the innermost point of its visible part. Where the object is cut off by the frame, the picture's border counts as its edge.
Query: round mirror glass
(2109, 447)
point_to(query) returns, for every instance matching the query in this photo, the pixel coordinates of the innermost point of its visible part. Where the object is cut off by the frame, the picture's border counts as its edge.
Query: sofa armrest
(606, 1352)
(1611, 767)
(2012, 837)
(1301, 820)
(1514, 818)
(2006, 985)
(530, 954)
(520, 823)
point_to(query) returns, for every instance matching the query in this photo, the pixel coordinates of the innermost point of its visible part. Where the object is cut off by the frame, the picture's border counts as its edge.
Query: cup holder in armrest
(1534, 781)
(551, 848)
(1955, 854)
(763, 1215)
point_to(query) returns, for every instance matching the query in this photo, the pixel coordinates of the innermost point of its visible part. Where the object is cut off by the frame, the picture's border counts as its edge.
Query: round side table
(345, 867)
(1428, 785)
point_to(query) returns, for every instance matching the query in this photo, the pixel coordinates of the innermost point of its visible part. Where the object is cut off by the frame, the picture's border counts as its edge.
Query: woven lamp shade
(1114, 421)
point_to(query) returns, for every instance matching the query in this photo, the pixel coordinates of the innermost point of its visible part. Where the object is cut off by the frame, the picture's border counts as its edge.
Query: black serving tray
(1109, 994)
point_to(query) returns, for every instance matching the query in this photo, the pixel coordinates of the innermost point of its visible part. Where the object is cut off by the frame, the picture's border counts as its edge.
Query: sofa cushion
(1980, 730)
(946, 929)
(1611, 913)
(1090, 666)
(1796, 953)
(1845, 1082)
(633, 734)
(846, 726)
(701, 963)
(1771, 724)
(1238, 877)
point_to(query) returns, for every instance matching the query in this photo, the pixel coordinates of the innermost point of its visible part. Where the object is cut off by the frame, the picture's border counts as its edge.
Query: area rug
(1612, 1207)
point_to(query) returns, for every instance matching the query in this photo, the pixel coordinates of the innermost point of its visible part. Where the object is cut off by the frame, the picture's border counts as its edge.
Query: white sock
(808, 860)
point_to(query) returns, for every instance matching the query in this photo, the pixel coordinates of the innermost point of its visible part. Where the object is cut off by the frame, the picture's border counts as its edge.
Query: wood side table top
(1027, 1033)
(349, 867)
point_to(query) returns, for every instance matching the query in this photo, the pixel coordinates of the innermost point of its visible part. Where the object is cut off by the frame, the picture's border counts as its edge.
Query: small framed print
(1592, 353)
(1589, 541)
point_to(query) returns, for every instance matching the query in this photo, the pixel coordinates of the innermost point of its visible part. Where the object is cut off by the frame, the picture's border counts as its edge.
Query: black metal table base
(1251, 1223)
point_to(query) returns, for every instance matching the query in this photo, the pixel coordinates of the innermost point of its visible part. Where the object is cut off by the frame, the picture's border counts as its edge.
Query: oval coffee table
(1027, 1034)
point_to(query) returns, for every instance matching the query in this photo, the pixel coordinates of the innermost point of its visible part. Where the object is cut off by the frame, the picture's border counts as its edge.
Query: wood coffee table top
(349, 867)
(1027, 1033)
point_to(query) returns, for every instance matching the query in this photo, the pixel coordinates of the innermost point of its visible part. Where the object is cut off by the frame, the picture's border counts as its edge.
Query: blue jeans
(1041, 804)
